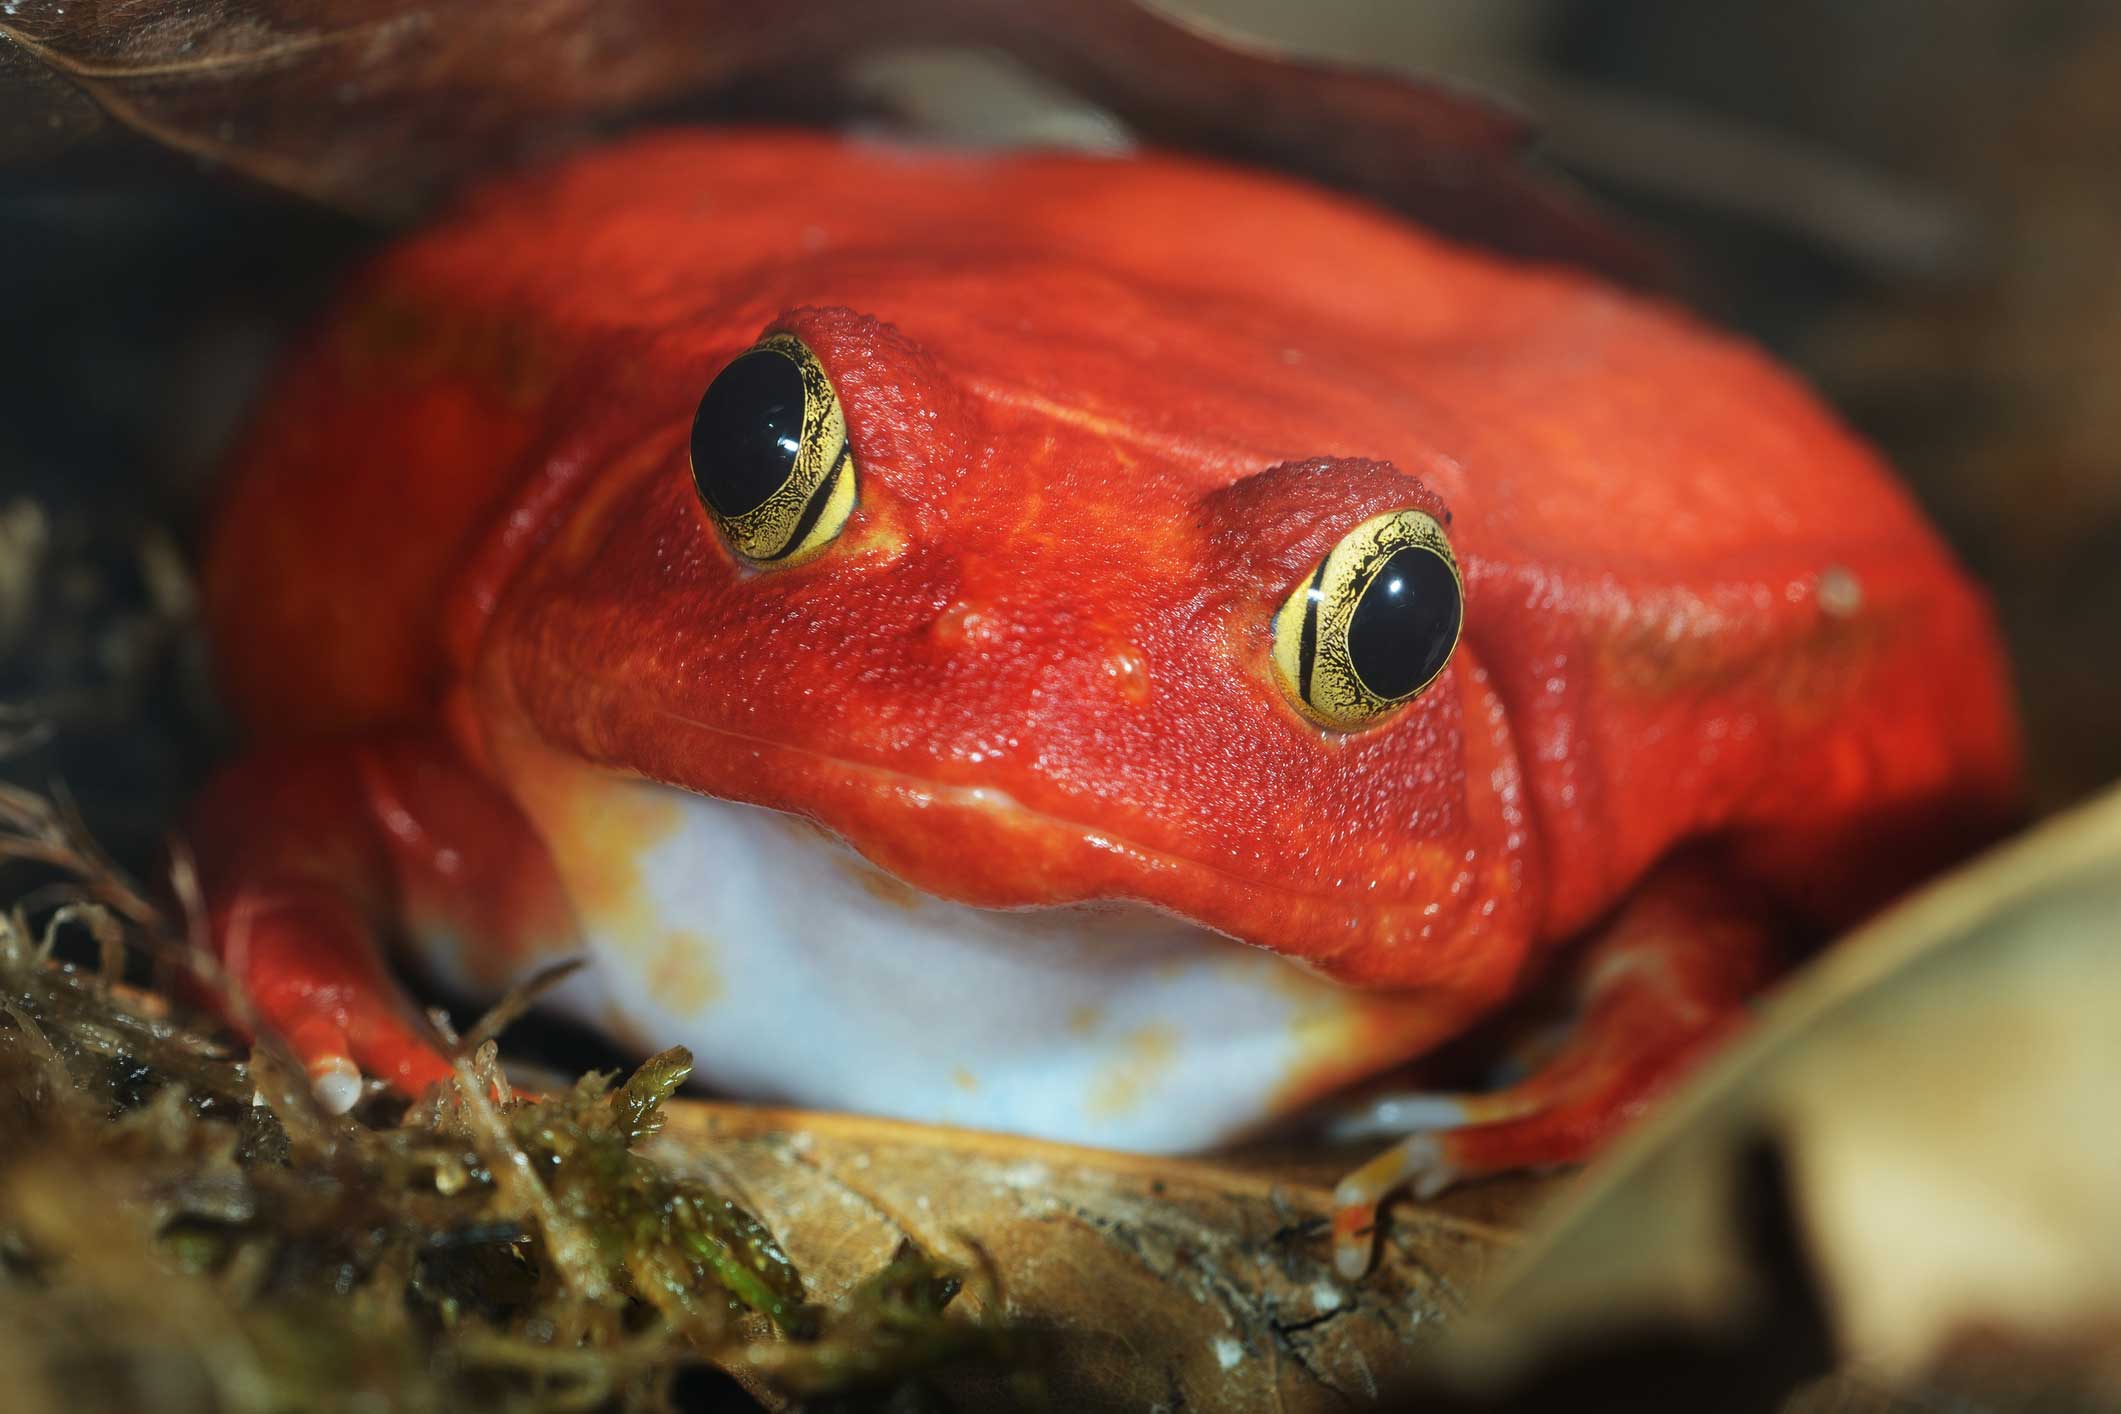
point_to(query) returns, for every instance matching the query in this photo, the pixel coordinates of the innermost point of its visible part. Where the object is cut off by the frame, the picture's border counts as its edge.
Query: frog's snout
(969, 624)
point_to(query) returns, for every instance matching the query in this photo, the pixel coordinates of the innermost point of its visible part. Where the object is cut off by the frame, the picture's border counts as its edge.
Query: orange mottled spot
(1340, 1036)
(681, 973)
(1145, 1055)
(964, 1080)
(600, 830)
(881, 886)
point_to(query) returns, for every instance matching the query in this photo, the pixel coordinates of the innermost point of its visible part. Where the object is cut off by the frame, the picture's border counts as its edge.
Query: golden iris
(1373, 624)
(769, 454)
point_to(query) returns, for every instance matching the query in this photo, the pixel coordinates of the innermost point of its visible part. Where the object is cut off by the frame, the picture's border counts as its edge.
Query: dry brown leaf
(377, 106)
(1941, 1090)
(1150, 1281)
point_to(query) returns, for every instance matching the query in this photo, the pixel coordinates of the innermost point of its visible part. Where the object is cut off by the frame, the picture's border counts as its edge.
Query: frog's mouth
(1462, 931)
(797, 970)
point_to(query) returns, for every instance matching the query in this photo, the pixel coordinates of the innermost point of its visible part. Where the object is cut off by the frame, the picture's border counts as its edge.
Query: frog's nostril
(1128, 669)
(965, 623)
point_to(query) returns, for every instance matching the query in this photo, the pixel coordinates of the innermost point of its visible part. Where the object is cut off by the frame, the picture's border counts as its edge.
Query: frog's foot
(307, 857)
(1659, 989)
(311, 974)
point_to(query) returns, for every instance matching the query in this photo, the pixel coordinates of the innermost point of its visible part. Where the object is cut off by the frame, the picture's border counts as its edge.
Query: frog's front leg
(311, 857)
(1659, 987)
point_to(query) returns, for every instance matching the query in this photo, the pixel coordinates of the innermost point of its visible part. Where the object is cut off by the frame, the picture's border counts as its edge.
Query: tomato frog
(1110, 648)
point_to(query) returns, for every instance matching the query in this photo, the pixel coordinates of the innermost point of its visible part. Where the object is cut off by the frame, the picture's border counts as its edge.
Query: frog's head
(1022, 651)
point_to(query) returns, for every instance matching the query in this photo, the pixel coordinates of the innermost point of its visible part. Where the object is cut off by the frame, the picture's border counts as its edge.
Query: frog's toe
(1417, 1162)
(1559, 1115)
(1421, 1161)
(308, 970)
(1665, 983)
(334, 1076)
(336, 1081)
(1391, 1116)
(341, 1058)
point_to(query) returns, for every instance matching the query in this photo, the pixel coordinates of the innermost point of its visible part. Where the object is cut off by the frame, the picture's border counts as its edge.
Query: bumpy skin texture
(1107, 414)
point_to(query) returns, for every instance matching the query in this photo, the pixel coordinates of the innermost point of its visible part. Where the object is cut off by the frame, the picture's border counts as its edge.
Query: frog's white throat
(797, 972)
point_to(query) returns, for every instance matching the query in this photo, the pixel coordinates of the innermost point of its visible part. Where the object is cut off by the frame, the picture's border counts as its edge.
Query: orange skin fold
(1107, 413)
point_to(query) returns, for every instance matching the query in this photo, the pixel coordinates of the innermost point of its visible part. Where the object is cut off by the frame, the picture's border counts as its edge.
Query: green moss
(181, 1228)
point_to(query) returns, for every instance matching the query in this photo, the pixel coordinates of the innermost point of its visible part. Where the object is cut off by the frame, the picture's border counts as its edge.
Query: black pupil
(1405, 623)
(747, 431)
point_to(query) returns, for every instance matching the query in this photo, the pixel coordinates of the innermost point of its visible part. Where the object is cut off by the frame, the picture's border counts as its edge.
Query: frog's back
(1679, 567)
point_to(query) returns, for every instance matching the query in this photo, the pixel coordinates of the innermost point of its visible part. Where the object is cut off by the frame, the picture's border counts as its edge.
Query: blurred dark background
(1917, 204)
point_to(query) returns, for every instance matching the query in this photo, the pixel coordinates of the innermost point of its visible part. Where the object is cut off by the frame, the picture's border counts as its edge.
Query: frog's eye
(1375, 622)
(770, 455)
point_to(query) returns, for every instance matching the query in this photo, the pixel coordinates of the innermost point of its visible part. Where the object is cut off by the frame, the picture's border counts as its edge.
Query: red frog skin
(1112, 649)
